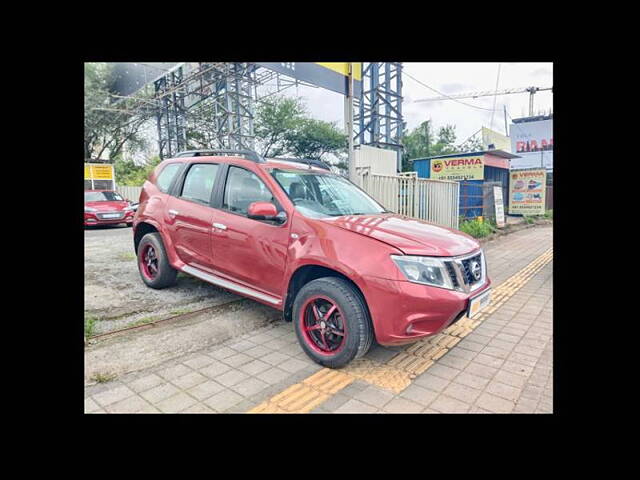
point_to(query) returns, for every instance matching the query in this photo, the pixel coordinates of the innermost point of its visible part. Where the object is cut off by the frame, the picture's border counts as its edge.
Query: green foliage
(283, 127)
(103, 377)
(274, 121)
(89, 325)
(313, 138)
(108, 127)
(548, 214)
(129, 173)
(529, 219)
(476, 228)
(421, 142)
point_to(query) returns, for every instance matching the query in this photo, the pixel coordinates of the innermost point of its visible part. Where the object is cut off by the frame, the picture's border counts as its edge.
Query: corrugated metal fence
(130, 193)
(431, 200)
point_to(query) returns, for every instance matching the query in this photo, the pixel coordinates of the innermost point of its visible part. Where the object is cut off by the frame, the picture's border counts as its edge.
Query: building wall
(379, 160)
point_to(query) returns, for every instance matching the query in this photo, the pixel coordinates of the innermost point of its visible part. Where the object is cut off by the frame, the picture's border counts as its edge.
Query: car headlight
(425, 270)
(89, 209)
(127, 209)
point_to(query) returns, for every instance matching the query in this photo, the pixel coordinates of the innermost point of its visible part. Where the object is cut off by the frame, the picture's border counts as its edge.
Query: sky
(451, 78)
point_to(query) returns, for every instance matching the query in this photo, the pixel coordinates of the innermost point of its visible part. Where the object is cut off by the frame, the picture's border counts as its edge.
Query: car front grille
(468, 276)
(462, 270)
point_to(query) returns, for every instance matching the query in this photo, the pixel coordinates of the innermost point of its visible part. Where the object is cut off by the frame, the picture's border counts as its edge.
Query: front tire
(332, 322)
(153, 263)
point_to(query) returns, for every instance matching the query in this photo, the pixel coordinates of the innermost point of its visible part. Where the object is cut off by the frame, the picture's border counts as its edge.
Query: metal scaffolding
(211, 105)
(378, 120)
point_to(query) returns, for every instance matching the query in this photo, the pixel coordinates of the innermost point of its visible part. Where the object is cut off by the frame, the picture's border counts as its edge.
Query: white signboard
(533, 141)
(499, 205)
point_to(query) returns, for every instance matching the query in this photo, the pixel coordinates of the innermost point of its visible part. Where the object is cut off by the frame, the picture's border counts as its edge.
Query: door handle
(220, 226)
(173, 213)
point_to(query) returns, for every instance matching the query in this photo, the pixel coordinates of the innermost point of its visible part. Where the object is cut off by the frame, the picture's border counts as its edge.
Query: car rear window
(166, 176)
(199, 182)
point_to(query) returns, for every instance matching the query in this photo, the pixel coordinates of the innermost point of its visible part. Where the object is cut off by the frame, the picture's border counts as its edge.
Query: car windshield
(102, 197)
(319, 195)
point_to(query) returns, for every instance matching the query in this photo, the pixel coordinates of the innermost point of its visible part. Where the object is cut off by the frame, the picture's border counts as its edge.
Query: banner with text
(526, 191)
(458, 168)
(533, 141)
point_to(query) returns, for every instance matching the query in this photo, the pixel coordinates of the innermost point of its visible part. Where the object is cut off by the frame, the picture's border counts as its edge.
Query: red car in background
(106, 207)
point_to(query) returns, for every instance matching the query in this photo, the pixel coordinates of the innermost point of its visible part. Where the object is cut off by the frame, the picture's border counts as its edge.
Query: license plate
(479, 303)
(111, 215)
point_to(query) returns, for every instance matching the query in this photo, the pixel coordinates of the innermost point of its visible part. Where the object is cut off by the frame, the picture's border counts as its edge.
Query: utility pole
(506, 132)
(532, 91)
(349, 123)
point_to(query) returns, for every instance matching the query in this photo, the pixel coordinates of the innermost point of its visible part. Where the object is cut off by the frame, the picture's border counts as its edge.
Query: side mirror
(265, 211)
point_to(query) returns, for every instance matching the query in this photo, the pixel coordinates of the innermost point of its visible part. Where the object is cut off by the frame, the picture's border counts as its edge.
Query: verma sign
(458, 168)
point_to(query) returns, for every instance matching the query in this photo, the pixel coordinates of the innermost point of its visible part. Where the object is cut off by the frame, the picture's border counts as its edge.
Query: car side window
(198, 184)
(166, 176)
(242, 189)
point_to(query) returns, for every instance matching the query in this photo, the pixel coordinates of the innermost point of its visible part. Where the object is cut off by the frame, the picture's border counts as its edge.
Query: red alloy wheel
(149, 262)
(323, 325)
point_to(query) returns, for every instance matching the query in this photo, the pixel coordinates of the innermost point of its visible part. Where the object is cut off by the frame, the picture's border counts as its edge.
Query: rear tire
(323, 309)
(153, 263)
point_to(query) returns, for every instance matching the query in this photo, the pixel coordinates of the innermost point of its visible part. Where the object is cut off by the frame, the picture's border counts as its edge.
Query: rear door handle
(220, 226)
(173, 213)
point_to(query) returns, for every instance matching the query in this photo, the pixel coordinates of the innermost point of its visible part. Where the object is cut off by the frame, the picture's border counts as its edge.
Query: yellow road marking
(396, 374)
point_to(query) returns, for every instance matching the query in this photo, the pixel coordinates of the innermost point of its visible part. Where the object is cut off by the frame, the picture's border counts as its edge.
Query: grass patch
(127, 256)
(180, 311)
(548, 214)
(143, 321)
(477, 229)
(89, 325)
(529, 219)
(103, 377)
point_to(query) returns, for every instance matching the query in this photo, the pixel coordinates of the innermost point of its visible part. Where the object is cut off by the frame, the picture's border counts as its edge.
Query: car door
(189, 215)
(248, 251)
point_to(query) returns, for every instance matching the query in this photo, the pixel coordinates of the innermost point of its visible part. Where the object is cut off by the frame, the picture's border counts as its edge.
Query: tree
(282, 127)
(313, 138)
(129, 173)
(108, 128)
(473, 144)
(420, 143)
(274, 121)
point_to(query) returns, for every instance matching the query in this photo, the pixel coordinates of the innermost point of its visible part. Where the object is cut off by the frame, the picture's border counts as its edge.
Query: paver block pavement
(355, 406)
(145, 383)
(113, 395)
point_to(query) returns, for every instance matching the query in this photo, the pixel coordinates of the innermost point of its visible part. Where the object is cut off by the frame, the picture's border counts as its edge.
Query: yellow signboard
(499, 141)
(98, 172)
(458, 168)
(343, 68)
(527, 191)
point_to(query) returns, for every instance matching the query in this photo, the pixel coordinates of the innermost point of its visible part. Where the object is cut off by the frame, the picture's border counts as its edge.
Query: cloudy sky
(452, 78)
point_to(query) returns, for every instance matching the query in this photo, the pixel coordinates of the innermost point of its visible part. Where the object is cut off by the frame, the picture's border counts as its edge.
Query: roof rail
(307, 161)
(248, 154)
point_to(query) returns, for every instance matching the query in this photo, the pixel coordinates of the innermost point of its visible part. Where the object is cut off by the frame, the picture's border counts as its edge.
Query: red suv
(294, 236)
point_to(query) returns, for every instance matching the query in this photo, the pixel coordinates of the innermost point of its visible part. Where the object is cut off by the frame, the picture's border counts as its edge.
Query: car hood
(115, 205)
(409, 235)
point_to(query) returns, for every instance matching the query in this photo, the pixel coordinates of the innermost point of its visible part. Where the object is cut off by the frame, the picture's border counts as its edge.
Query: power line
(445, 95)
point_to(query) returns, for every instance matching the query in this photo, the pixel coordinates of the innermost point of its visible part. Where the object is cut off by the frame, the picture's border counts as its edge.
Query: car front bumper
(403, 312)
(93, 219)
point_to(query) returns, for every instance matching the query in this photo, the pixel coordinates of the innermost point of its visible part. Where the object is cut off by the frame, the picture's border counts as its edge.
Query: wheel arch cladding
(141, 230)
(305, 274)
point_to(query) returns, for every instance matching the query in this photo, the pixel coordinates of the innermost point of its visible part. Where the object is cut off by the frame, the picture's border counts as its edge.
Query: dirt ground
(115, 296)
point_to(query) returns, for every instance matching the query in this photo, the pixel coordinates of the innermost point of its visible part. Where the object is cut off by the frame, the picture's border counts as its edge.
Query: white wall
(379, 160)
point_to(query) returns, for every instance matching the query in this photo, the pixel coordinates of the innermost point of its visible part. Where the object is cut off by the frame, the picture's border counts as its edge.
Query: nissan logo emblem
(476, 270)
